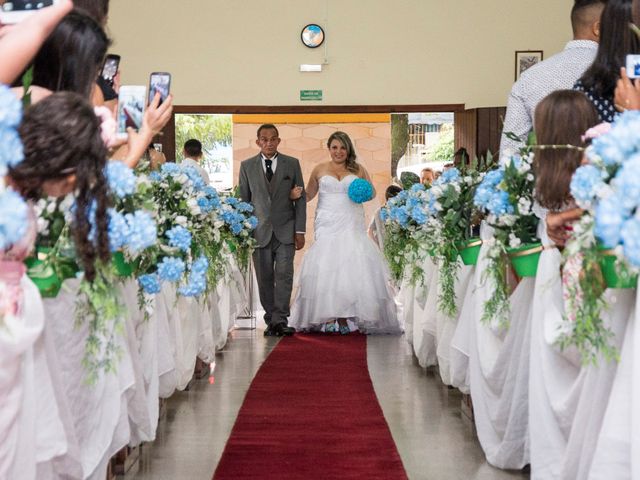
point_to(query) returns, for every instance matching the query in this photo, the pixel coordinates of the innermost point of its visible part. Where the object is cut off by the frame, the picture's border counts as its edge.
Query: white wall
(247, 52)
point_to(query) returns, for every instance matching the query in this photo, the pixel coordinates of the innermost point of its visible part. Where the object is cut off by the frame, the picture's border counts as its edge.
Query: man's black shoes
(279, 330)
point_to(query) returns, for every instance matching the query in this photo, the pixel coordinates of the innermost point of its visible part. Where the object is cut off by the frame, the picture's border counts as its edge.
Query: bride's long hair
(351, 164)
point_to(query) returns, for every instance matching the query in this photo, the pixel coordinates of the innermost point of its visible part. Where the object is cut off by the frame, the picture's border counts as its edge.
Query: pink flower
(597, 131)
(571, 290)
(10, 300)
(107, 127)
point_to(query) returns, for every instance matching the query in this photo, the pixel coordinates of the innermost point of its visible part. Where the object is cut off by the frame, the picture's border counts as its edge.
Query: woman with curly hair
(64, 152)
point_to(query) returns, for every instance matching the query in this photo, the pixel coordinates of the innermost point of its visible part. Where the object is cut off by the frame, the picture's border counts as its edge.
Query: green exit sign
(311, 95)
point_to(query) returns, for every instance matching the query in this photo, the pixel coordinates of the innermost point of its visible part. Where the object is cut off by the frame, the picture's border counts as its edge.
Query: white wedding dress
(343, 274)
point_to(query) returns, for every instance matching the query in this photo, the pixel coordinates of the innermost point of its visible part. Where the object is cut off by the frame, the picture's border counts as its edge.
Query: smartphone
(14, 11)
(131, 105)
(110, 68)
(633, 66)
(159, 82)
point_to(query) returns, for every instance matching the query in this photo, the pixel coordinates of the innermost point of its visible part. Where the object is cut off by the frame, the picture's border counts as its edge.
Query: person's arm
(301, 208)
(371, 231)
(627, 95)
(21, 42)
(243, 185)
(312, 186)
(558, 224)
(517, 121)
(154, 120)
(364, 174)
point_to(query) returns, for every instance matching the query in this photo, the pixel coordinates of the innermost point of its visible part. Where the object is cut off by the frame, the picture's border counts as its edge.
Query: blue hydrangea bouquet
(198, 232)
(406, 243)
(606, 241)
(505, 196)
(453, 214)
(360, 190)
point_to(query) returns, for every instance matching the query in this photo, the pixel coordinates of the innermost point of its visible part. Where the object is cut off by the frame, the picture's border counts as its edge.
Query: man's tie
(269, 172)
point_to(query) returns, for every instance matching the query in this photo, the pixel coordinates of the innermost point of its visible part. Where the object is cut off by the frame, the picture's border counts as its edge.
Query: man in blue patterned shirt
(556, 73)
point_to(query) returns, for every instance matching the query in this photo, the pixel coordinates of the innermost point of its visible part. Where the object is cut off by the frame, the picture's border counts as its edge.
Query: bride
(343, 284)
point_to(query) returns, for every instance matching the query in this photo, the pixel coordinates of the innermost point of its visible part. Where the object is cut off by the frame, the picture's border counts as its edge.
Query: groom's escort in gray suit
(279, 220)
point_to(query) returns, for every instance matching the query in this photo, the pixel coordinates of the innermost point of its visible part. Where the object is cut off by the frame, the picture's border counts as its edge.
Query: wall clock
(312, 35)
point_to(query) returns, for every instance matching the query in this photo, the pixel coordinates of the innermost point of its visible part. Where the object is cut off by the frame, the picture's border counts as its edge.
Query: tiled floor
(435, 440)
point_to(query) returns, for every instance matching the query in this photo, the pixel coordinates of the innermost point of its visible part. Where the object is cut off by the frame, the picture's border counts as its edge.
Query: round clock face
(312, 35)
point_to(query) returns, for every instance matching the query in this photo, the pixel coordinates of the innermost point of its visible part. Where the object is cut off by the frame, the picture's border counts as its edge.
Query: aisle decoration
(506, 197)
(453, 215)
(197, 231)
(604, 248)
(186, 239)
(406, 243)
(237, 230)
(14, 212)
(132, 228)
(53, 260)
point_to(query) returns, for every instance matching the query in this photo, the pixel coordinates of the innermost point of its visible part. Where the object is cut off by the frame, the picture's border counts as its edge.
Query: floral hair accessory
(107, 125)
(596, 131)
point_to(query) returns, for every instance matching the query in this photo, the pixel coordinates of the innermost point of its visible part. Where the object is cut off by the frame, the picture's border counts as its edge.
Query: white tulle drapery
(533, 403)
(53, 422)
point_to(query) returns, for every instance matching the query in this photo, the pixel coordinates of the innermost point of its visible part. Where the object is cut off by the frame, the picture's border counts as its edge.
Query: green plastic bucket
(524, 259)
(43, 275)
(470, 250)
(610, 274)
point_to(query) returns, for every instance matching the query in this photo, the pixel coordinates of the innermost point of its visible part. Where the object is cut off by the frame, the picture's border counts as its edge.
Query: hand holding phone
(110, 68)
(154, 120)
(159, 82)
(14, 11)
(627, 93)
(131, 105)
(633, 66)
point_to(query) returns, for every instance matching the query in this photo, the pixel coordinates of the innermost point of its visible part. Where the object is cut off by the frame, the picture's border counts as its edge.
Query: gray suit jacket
(277, 214)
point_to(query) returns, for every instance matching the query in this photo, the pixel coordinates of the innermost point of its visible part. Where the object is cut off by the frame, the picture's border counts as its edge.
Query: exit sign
(311, 95)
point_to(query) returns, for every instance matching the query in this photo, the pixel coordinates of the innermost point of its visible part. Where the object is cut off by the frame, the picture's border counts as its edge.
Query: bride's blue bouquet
(360, 190)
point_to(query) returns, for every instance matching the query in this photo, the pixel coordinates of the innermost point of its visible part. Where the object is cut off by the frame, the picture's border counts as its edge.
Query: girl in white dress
(567, 399)
(344, 283)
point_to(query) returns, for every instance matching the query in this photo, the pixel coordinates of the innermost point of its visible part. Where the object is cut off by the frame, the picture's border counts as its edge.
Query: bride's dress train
(343, 274)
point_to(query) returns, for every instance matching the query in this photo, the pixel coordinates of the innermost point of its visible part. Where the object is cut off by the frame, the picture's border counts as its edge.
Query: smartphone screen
(13, 11)
(131, 104)
(110, 68)
(633, 66)
(159, 82)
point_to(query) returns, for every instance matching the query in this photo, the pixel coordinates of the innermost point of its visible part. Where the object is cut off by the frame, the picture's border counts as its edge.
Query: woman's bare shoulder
(319, 169)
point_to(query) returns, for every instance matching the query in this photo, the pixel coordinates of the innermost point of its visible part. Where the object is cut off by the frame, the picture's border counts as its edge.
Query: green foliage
(443, 150)
(210, 130)
(408, 179)
(98, 305)
(27, 80)
(497, 306)
(404, 253)
(585, 302)
(526, 226)
(481, 164)
(512, 230)
(456, 217)
(589, 334)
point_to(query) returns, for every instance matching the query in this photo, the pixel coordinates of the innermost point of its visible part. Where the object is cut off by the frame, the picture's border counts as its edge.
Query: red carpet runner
(311, 413)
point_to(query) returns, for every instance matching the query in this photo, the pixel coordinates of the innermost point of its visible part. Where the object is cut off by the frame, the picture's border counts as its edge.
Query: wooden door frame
(168, 138)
